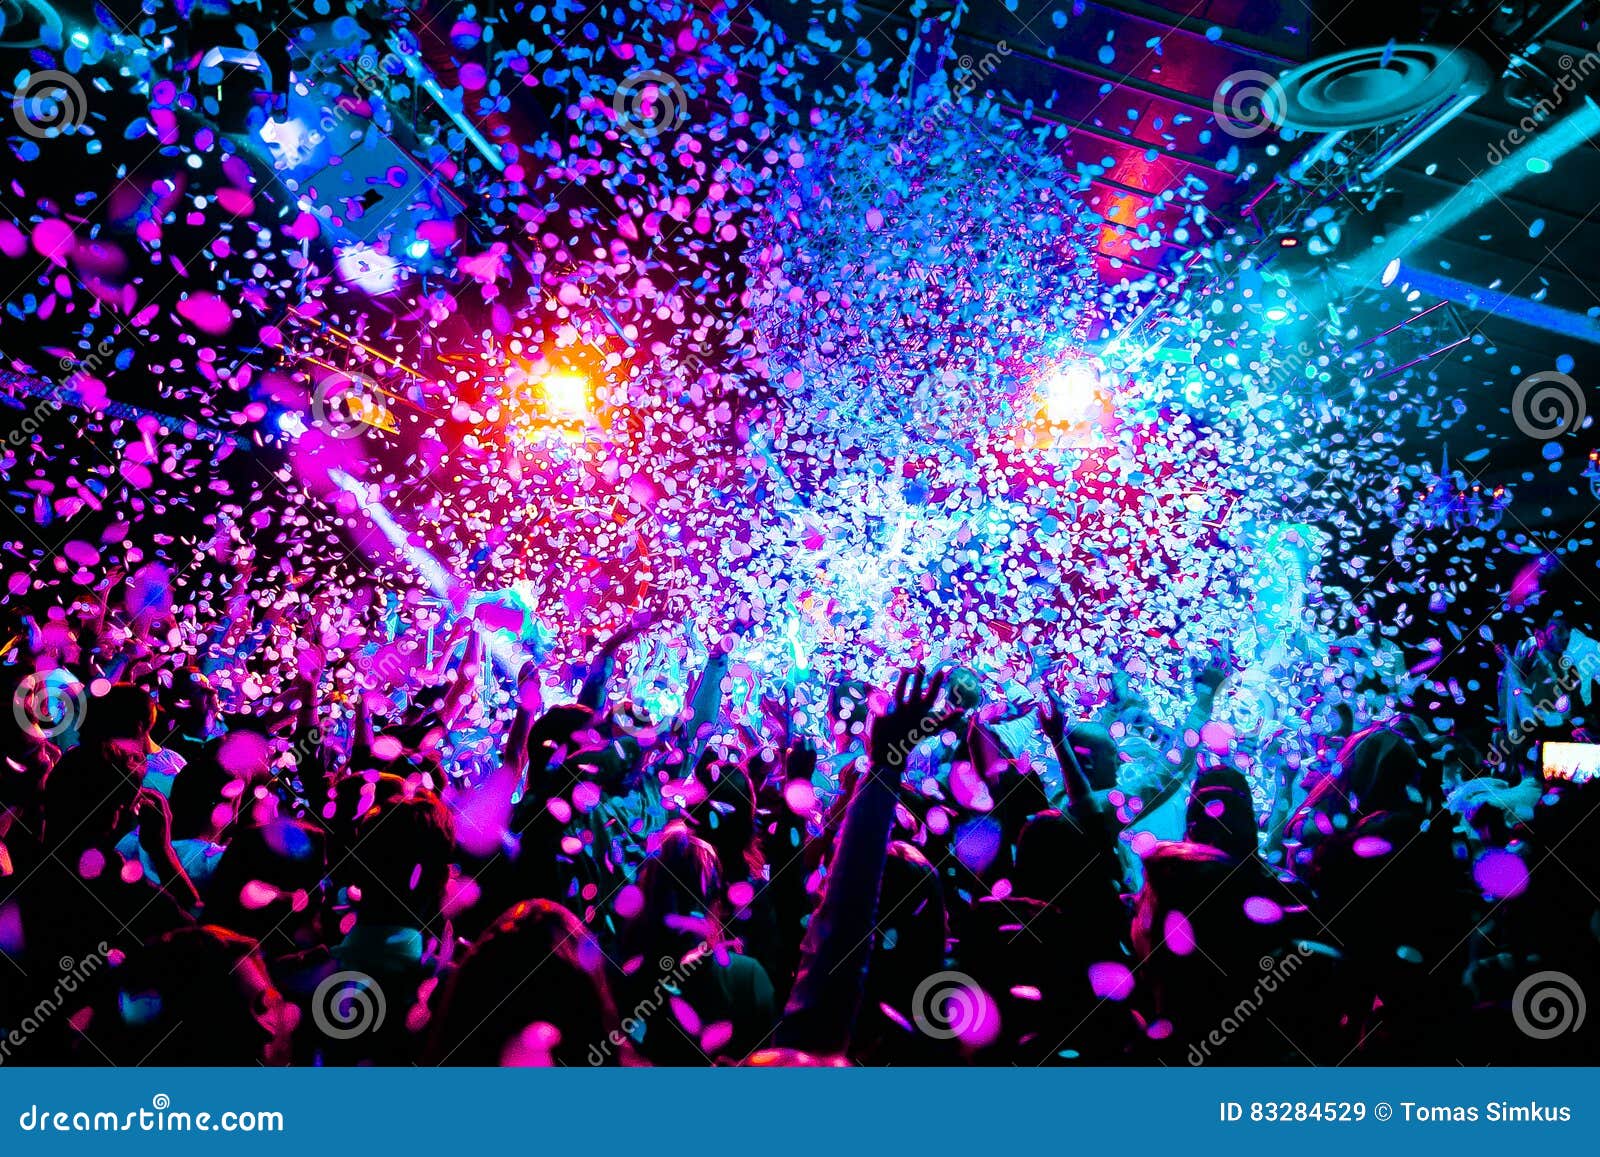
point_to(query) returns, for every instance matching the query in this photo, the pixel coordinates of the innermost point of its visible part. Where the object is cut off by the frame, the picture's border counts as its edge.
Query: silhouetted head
(200, 996)
(191, 704)
(268, 883)
(1380, 770)
(125, 713)
(402, 853)
(912, 927)
(1058, 856)
(726, 816)
(532, 990)
(1221, 813)
(89, 795)
(680, 883)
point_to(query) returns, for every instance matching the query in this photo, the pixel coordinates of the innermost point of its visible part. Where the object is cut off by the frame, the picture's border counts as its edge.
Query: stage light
(1390, 272)
(1072, 393)
(291, 142)
(368, 269)
(566, 395)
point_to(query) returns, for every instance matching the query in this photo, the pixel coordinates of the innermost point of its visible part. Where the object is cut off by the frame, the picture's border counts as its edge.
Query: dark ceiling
(1133, 83)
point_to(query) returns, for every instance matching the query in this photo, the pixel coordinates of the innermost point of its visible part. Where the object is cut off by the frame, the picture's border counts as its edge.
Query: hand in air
(897, 732)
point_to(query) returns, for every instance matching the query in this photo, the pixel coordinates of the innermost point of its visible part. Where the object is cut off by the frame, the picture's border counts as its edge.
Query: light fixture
(566, 395)
(368, 268)
(1452, 503)
(1072, 392)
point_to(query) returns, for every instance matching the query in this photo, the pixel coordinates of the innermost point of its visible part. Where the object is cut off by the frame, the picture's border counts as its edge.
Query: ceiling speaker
(1366, 87)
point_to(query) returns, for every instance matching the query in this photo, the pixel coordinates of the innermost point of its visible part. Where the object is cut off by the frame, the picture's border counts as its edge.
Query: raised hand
(155, 821)
(801, 762)
(529, 694)
(897, 732)
(1052, 719)
(1219, 664)
(775, 713)
(629, 631)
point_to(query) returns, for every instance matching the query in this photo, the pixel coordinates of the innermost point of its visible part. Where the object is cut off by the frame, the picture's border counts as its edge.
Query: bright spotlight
(1390, 272)
(1072, 393)
(566, 395)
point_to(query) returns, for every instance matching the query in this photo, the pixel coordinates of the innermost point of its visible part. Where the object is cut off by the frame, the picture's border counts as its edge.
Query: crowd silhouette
(938, 872)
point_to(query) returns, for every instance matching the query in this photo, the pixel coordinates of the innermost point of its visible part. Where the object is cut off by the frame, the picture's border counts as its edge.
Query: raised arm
(155, 838)
(705, 701)
(597, 679)
(1074, 783)
(822, 1007)
(465, 688)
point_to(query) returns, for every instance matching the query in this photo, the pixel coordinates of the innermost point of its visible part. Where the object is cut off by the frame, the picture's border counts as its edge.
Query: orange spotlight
(566, 395)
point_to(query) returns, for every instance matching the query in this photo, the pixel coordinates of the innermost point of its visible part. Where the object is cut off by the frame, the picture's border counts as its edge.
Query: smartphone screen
(1574, 761)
